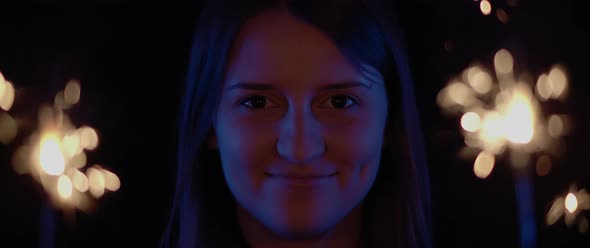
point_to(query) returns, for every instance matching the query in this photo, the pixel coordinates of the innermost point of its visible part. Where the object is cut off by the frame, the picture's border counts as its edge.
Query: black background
(131, 59)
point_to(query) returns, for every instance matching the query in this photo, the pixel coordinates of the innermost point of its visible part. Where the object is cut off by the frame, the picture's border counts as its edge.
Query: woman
(298, 128)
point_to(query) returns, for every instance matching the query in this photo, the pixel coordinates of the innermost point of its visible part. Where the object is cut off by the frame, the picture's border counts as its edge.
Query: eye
(255, 102)
(342, 101)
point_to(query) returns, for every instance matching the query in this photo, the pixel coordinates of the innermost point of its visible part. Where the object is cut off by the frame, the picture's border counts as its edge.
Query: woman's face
(299, 129)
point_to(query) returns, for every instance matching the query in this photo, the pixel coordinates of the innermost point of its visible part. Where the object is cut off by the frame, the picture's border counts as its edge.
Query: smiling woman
(299, 129)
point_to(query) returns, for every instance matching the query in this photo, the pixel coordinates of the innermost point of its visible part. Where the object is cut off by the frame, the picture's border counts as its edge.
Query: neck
(346, 234)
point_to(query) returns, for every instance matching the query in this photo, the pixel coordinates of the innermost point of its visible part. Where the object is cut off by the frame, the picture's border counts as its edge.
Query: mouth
(300, 176)
(301, 180)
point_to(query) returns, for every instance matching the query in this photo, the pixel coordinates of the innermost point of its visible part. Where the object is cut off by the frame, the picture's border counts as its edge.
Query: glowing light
(96, 182)
(555, 126)
(558, 81)
(543, 165)
(7, 95)
(570, 206)
(78, 161)
(112, 181)
(503, 62)
(64, 186)
(71, 144)
(80, 181)
(88, 138)
(485, 7)
(484, 164)
(479, 80)
(492, 128)
(59, 102)
(2, 86)
(51, 158)
(520, 124)
(471, 122)
(502, 16)
(8, 128)
(460, 93)
(72, 92)
(571, 203)
(544, 88)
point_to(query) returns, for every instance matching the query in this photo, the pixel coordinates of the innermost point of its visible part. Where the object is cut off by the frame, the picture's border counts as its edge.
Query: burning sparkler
(55, 155)
(501, 113)
(504, 114)
(570, 206)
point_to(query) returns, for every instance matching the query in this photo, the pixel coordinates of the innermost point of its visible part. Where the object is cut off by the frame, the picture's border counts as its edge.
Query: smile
(301, 180)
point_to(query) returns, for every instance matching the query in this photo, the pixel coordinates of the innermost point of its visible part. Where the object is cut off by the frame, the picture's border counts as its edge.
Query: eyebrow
(265, 86)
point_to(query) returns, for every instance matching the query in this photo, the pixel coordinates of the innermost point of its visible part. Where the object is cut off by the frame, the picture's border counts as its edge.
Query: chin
(301, 226)
(300, 232)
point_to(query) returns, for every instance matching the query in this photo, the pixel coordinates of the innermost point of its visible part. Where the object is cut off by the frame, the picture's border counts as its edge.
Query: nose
(300, 139)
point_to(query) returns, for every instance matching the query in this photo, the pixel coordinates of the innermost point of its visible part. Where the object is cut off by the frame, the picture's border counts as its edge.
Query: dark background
(131, 59)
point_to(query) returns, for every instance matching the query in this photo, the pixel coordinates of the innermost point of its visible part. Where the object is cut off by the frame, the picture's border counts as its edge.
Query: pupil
(339, 101)
(258, 102)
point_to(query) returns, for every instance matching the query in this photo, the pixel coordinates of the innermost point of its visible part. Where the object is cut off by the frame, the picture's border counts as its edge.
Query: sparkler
(570, 206)
(55, 156)
(501, 114)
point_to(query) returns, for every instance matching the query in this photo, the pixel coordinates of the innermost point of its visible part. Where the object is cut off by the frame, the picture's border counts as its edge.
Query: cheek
(244, 149)
(357, 154)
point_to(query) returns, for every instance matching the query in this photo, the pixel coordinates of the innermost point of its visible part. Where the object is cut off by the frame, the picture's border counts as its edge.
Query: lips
(296, 176)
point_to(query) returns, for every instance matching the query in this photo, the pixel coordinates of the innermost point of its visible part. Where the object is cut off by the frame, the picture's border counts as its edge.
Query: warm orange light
(51, 158)
(80, 181)
(8, 128)
(571, 203)
(112, 181)
(88, 138)
(6, 95)
(96, 182)
(520, 118)
(502, 16)
(471, 122)
(484, 164)
(543, 165)
(485, 7)
(72, 92)
(503, 62)
(64, 186)
(558, 81)
(479, 80)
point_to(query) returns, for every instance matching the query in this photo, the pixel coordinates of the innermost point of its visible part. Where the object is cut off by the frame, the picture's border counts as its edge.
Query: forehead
(276, 47)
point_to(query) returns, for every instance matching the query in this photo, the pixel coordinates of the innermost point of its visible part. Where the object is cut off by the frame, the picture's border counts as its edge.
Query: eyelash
(352, 99)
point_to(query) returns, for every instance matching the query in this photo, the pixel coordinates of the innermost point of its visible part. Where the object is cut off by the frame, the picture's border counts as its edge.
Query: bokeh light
(471, 121)
(96, 181)
(6, 95)
(503, 62)
(558, 81)
(112, 181)
(502, 16)
(8, 128)
(484, 164)
(64, 186)
(486, 7)
(51, 158)
(571, 203)
(79, 180)
(72, 92)
(543, 165)
(55, 153)
(88, 138)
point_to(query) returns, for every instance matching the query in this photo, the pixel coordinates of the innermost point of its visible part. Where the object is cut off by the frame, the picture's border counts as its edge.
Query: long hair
(397, 208)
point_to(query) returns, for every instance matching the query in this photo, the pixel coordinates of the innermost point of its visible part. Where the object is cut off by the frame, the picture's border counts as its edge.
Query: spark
(570, 206)
(55, 153)
(503, 113)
